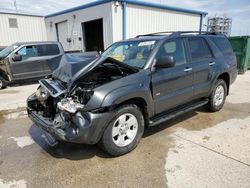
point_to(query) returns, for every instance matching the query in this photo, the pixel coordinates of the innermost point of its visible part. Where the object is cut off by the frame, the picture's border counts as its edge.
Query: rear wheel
(124, 131)
(218, 96)
(2, 83)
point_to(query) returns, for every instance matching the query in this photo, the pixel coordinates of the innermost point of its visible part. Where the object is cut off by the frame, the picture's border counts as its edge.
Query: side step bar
(175, 113)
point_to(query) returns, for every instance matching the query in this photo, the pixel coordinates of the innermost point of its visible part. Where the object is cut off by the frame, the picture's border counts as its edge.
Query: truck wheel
(124, 131)
(218, 96)
(2, 83)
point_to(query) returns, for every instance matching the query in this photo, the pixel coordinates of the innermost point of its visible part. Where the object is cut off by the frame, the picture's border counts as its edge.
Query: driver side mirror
(17, 57)
(165, 62)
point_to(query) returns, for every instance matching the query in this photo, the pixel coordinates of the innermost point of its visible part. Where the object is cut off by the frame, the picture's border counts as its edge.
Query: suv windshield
(6, 51)
(133, 53)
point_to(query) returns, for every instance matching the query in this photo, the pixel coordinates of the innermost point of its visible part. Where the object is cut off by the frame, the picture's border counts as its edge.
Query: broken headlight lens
(42, 94)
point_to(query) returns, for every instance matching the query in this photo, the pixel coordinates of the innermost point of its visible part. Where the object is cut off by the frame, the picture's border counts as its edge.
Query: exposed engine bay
(58, 104)
(54, 96)
(105, 73)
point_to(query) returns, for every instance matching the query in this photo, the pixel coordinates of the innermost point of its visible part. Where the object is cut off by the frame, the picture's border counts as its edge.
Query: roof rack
(178, 33)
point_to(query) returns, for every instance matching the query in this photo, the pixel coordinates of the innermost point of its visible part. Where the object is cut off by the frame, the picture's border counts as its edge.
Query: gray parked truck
(29, 60)
(136, 83)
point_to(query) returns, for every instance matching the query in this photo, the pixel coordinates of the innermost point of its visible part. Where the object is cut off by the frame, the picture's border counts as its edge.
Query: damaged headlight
(69, 105)
(42, 94)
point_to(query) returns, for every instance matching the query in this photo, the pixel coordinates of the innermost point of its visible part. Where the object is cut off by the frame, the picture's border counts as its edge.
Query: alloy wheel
(219, 95)
(124, 130)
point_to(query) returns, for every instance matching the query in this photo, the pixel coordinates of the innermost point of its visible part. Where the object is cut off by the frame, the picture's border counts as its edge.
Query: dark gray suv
(134, 84)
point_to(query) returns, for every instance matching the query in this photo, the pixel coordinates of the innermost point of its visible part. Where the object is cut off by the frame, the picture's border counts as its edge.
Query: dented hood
(70, 68)
(65, 67)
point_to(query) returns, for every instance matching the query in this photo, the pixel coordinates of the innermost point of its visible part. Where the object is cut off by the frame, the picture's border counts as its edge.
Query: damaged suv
(136, 83)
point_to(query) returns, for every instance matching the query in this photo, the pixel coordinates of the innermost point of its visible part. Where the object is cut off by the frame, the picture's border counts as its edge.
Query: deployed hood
(70, 68)
(65, 67)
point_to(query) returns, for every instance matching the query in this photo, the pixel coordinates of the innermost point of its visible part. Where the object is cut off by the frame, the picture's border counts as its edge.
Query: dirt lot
(198, 149)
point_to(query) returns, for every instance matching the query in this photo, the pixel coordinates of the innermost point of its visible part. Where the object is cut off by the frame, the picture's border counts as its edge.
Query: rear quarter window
(48, 49)
(222, 44)
(199, 49)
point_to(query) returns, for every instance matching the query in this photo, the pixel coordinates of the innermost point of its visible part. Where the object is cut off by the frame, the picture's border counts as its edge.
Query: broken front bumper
(90, 126)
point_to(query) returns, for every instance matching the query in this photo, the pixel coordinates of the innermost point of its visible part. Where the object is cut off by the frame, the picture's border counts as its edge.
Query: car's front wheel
(218, 96)
(124, 131)
(2, 83)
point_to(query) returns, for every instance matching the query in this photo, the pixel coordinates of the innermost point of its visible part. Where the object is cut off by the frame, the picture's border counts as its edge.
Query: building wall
(29, 28)
(75, 25)
(144, 20)
(117, 22)
(139, 20)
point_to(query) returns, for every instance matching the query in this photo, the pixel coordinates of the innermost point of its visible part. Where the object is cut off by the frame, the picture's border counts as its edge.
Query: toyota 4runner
(134, 84)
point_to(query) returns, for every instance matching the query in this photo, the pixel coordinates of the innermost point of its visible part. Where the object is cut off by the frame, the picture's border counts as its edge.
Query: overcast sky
(239, 10)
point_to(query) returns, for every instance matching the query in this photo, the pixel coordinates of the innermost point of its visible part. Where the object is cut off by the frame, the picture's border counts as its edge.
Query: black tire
(211, 104)
(3, 83)
(107, 143)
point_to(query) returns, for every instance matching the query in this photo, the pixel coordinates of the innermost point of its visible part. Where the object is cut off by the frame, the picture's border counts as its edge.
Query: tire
(124, 131)
(216, 100)
(3, 83)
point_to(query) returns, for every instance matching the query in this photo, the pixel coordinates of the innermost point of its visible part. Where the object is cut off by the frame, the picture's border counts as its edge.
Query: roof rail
(177, 33)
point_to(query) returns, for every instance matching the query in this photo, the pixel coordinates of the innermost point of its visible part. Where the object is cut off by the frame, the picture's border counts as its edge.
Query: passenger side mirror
(165, 62)
(17, 57)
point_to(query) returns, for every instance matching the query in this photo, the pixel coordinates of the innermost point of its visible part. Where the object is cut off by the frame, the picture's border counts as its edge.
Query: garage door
(62, 34)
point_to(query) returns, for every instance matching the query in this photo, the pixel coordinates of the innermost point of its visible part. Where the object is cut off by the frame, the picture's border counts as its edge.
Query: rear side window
(222, 44)
(199, 49)
(48, 49)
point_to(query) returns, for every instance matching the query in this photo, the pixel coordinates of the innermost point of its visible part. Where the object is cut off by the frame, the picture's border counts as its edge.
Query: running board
(175, 113)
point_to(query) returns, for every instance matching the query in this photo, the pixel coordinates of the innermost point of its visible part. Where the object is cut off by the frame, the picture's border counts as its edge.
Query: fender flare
(129, 92)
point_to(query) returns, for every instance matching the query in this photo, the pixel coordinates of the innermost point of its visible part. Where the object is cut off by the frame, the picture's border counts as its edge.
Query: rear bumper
(84, 127)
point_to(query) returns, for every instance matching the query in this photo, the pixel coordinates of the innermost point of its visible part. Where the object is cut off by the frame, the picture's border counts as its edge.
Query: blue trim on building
(124, 12)
(201, 19)
(161, 6)
(79, 8)
(134, 2)
(124, 22)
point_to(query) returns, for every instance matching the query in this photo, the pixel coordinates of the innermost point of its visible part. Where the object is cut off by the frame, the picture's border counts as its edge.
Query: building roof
(134, 2)
(20, 14)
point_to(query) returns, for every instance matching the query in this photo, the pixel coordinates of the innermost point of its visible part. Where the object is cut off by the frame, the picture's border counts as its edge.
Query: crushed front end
(68, 105)
(63, 117)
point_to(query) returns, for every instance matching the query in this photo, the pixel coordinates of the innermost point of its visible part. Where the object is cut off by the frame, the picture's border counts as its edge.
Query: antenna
(15, 5)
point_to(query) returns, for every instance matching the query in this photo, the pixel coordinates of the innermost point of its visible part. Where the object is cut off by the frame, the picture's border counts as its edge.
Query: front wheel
(2, 83)
(124, 131)
(218, 96)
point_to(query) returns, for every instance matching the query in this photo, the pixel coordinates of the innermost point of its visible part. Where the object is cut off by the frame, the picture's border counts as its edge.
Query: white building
(96, 25)
(15, 27)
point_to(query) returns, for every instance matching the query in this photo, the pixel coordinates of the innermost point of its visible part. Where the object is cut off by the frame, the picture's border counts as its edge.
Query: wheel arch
(141, 104)
(133, 95)
(4, 75)
(226, 77)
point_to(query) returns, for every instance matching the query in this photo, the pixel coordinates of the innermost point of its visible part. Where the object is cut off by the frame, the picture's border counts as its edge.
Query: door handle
(211, 63)
(187, 69)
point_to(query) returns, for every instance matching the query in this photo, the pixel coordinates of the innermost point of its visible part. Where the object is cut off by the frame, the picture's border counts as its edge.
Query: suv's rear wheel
(218, 96)
(124, 131)
(2, 83)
